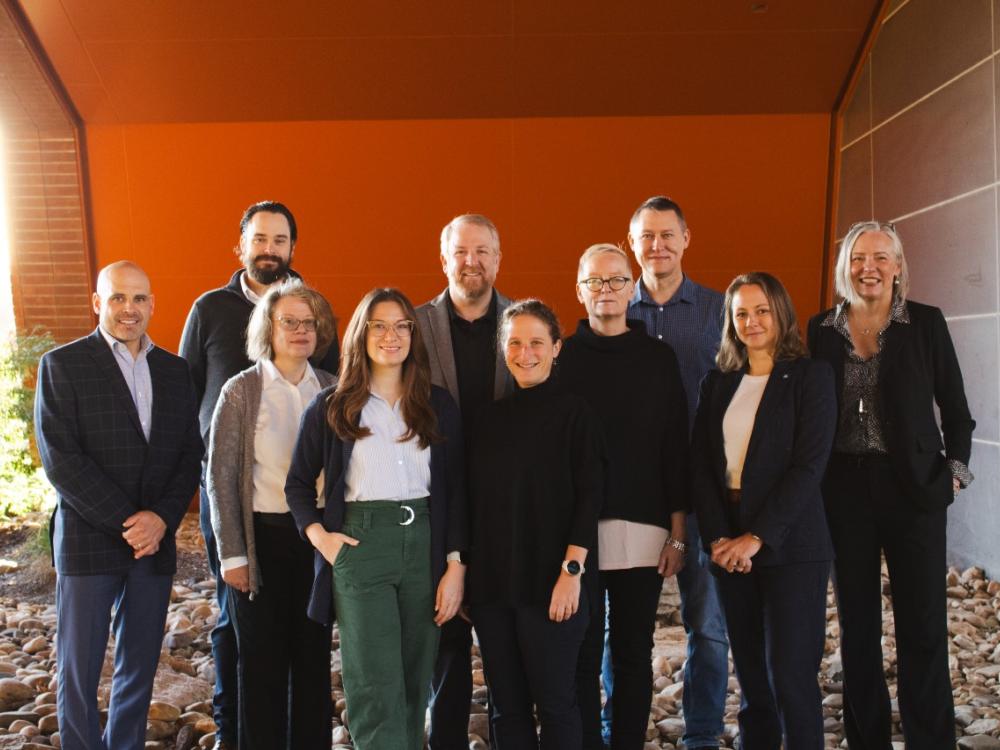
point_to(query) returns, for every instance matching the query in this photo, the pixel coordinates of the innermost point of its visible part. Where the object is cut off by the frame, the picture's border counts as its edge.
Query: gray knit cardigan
(230, 465)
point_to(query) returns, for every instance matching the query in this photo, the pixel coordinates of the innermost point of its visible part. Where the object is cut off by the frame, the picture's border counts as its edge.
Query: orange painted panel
(371, 198)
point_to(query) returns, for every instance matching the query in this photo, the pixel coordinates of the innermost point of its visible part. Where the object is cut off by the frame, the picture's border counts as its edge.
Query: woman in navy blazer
(762, 436)
(890, 481)
(383, 559)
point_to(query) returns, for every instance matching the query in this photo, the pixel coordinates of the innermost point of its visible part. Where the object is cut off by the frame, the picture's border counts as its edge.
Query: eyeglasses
(289, 323)
(379, 328)
(882, 225)
(615, 283)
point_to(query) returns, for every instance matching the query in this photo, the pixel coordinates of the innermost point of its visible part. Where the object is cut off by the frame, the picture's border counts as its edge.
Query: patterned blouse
(859, 424)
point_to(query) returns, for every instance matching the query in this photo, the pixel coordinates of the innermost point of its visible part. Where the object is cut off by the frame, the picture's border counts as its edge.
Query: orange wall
(371, 197)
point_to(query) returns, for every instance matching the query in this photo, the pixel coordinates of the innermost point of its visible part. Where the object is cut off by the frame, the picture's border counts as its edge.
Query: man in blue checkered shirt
(688, 317)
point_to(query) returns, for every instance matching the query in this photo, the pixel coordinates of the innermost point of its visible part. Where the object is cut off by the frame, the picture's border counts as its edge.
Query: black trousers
(225, 699)
(451, 688)
(633, 596)
(776, 619)
(530, 662)
(869, 515)
(284, 667)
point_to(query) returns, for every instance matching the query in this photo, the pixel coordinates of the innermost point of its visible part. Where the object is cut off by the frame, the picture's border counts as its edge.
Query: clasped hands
(143, 532)
(734, 555)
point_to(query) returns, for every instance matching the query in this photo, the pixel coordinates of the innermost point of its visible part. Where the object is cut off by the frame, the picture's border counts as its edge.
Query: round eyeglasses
(289, 323)
(379, 328)
(615, 283)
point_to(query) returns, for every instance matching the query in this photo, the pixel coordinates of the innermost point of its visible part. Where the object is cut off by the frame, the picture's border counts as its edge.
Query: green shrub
(23, 483)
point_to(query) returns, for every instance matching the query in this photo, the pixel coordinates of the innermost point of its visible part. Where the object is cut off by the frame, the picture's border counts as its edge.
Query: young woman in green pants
(391, 526)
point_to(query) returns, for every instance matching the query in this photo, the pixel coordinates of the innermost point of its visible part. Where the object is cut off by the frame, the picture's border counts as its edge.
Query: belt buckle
(410, 518)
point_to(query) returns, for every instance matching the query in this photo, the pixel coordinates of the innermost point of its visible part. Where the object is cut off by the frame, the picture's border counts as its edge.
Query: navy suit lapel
(773, 396)
(109, 368)
(161, 398)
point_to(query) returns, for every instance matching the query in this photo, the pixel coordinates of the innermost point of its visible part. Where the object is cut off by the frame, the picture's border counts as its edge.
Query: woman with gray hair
(284, 666)
(888, 485)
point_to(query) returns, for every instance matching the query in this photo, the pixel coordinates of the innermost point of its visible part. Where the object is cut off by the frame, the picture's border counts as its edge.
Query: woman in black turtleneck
(536, 480)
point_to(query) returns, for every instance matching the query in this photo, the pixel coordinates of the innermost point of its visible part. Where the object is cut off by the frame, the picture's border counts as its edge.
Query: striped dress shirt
(382, 468)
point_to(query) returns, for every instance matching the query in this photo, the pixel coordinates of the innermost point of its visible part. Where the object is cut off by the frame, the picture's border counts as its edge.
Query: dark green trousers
(384, 595)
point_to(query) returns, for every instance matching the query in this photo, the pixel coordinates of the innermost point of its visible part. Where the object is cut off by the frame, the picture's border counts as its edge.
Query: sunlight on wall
(6, 295)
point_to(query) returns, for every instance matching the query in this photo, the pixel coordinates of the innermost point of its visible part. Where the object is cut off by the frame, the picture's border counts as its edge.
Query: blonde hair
(603, 248)
(260, 329)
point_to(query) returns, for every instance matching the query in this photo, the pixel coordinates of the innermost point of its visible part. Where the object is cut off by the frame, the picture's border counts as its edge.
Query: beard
(268, 276)
(474, 287)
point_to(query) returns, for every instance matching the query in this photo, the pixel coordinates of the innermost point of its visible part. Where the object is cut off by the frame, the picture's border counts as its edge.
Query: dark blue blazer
(789, 446)
(917, 368)
(96, 456)
(319, 449)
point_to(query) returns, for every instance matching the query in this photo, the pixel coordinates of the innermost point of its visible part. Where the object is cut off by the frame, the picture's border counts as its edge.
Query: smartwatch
(572, 567)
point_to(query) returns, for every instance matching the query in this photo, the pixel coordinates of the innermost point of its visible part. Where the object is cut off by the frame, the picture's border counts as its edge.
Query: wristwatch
(572, 567)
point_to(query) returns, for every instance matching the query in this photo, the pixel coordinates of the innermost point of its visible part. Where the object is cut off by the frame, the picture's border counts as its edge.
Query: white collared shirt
(382, 468)
(135, 370)
(249, 293)
(281, 407)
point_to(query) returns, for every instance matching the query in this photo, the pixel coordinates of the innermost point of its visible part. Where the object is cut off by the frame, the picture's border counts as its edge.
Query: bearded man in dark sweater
(214, 345)
(634, 384)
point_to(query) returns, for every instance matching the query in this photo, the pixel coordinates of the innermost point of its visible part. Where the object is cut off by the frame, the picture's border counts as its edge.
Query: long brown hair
(344, 407)
(733, 352)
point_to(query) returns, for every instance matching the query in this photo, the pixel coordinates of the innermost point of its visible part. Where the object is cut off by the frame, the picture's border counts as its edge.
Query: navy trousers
(777, 627)
(84, 613)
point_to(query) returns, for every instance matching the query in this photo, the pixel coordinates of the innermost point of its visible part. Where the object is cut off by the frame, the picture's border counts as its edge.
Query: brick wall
(51, 271)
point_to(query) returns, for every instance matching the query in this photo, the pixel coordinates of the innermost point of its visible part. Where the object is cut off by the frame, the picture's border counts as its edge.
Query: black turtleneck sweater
(633, 383)
(536, 475)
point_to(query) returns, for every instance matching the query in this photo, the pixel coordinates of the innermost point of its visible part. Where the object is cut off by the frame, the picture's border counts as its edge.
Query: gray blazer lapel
(440, 345)
(503, 382)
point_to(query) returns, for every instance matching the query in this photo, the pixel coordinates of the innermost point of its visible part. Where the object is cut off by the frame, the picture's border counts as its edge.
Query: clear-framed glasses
(288, 323)
(379, 328)
(615, 283)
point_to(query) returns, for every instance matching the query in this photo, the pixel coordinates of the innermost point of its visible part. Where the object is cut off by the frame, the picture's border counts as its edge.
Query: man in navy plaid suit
(117, 427)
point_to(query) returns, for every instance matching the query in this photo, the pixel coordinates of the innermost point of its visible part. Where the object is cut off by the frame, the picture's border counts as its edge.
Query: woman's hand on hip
(328, 542)
(565, 598)
(450, 592)
(238, 578)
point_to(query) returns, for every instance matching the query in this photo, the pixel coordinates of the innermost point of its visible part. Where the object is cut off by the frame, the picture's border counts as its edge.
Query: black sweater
(536, 477)
(633, 383)
(214, 344)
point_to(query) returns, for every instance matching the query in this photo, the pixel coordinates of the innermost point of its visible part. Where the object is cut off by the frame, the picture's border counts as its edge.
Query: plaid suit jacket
(95, 454)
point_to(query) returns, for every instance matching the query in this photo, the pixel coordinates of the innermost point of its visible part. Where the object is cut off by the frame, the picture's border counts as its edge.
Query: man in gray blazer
(459, 327)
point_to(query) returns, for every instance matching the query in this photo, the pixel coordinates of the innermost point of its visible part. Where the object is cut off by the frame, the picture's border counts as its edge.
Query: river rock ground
(180, 716)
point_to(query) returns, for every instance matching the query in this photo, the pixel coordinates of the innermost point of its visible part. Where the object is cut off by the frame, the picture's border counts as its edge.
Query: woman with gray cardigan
(284, 665)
